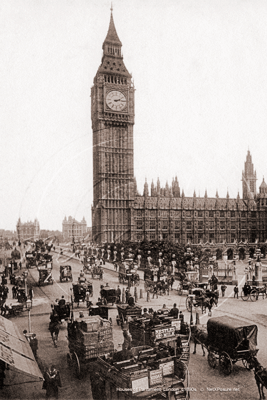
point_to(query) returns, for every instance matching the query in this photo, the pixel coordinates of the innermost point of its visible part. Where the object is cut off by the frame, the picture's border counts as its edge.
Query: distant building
(72, 229)
(28, 230)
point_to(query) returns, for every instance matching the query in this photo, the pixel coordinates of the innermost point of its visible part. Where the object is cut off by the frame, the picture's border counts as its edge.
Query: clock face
(116, 100)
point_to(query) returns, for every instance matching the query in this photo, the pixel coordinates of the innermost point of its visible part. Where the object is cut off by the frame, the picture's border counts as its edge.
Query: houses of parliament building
(120, 213)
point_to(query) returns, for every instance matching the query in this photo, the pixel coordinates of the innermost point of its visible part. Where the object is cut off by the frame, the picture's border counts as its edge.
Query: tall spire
(112, 36)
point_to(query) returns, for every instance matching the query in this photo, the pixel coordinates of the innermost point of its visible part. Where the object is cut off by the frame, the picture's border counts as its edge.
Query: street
(204, 382)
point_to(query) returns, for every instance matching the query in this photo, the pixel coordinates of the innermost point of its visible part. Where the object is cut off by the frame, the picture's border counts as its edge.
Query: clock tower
(112, 113)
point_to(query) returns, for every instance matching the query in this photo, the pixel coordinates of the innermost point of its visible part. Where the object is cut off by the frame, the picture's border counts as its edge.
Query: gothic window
(232, 226)
(153, 224)
(253, 214)
(251, 184)
(177, 224)
(232, 214)
(139, 213)
(139, 224)
(211, 225)
(164, 224)
(200, 224)
(200, 236)
(139, 236)
(188, 213)
(165, 236)
(222, 225)
(211, 236)
(200, 213)
(164, 214)
(221, 213)
(188, 225)
(211, 213)
(152, 236)
(243, 214)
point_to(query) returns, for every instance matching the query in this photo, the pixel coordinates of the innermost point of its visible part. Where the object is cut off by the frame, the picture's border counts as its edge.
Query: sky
(199, 70)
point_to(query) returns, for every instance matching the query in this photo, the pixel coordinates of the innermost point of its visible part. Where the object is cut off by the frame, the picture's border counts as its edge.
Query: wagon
(97, 272)
(79, 291)
(200, 298)
(125, 312)
(65, 273)
(108, 295)
(229, 341)
(88, 338)
(253, 292)
(185, 286)
(140, 373)
(62, 311)
(45, 275)
(102, 311)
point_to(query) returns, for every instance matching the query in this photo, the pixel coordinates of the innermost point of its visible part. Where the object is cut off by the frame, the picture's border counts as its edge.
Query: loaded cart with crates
(140, 373)
(88, 338)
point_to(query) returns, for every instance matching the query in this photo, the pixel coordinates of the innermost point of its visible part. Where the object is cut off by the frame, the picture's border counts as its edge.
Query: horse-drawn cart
(253, 292)
(228, 340)
(138, 373)
(79, 292)
(202, 298)
(45, 275)
(125, 312)
(65, 273)
(88, 339)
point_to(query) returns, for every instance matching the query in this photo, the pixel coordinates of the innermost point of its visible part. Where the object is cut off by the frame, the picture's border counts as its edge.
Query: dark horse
(260, 374)
(199, 336)
(54, 330)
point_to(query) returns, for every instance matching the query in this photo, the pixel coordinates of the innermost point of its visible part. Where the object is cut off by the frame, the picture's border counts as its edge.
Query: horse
(207, 303)
(199, 336)
(54, 330)
(260, 374)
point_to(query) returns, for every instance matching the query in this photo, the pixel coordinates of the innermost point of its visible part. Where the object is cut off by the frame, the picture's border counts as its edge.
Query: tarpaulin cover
(15, 350)
(227, 334)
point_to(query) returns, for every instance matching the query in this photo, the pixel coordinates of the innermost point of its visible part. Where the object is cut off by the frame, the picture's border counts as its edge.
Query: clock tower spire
(112, 114)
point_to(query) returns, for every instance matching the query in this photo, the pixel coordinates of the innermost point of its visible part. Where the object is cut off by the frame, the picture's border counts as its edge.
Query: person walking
(223, 289)
(236, 291)
(118, 294)
(34, 344)
(52, 382)
(155, 291)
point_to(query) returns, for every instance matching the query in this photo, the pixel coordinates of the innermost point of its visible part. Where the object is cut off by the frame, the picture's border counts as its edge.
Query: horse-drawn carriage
(97, 272)
(62, 310)
(253, 292)
(108, 295)
(45, 275)
(30, 258)
(228, 340)
(203, 298)
(79, 292)
(65, 273)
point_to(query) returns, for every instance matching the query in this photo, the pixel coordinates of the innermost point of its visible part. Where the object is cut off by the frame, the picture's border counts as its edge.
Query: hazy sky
(199, 69)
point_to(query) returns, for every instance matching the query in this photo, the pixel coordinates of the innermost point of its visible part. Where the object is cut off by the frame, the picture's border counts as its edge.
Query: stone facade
(28, 230)
(74, 230)
(120, 213)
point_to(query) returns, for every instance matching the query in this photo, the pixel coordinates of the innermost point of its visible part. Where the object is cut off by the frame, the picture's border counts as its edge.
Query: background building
(74, 230)
(120, 213)
(28, 230)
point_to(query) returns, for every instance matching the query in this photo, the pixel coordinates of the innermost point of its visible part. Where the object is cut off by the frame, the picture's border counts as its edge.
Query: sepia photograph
(133, 218)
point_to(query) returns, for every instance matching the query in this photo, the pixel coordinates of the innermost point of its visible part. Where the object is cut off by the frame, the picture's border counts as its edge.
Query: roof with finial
(263, 184)
(112, 36)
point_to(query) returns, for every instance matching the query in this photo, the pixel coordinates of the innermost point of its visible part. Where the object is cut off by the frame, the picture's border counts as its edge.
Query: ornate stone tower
(112, 111)
(249, 179)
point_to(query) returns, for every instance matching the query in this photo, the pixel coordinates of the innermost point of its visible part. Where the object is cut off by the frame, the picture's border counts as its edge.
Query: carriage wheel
(226, 364)
(243, 296)
(245, 363)
(76, 365)
(212, 359)
(189, 304)
(254, 295)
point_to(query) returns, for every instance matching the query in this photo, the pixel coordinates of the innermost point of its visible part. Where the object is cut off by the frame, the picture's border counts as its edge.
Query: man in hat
(52, 382)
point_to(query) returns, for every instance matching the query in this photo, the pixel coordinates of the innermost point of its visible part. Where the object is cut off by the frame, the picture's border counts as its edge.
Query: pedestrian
(87, 298)
(20, 265)
(118, 294)
(52, 382)
(155, 291)
(14, 292)
(236, 291)
(223, 289)
(34, 344)
(174, 311)
(127, 294)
